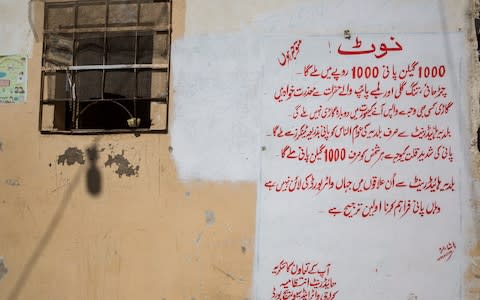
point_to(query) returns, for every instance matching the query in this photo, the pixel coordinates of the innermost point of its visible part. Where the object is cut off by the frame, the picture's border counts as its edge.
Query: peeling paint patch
(124, 167)
(12, 182)
(71, 156)
(3, 268)
(209, 217)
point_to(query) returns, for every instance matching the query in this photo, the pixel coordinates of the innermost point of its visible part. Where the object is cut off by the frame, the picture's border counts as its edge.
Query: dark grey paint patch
(124, 167)
(12, 182)
(3, 268)
(71, 156)
(209, 217)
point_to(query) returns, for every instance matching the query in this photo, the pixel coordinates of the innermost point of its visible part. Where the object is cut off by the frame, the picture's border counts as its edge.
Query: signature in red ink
(446, 251)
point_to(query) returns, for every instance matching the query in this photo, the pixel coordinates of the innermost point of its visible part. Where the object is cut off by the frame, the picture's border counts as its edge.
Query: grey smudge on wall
(124, 167)
(12, 182)
(209, 217)
(412, 296)
(199, 237)
(1, 146)
(3, 268)
(71, 156)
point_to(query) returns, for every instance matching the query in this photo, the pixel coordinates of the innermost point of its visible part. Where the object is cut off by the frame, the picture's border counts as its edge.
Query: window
(105, 66)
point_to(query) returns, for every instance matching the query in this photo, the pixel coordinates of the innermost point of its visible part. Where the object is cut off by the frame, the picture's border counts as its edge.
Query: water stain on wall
(71, 156)
(124, 167)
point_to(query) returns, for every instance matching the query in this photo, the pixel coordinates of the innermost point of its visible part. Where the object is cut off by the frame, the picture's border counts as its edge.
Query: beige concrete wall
(145, 236)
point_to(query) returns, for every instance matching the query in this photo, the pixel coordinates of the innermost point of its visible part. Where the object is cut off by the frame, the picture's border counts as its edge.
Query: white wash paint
(15, 34)
(215, 123)
(218, 80)
(216, 68)
(384, 252)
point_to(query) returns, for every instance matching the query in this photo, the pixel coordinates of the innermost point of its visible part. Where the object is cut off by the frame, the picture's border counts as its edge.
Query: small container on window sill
(134, 122)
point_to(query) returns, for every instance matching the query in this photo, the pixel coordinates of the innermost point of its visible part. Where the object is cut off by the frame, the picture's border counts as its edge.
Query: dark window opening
(105, 66)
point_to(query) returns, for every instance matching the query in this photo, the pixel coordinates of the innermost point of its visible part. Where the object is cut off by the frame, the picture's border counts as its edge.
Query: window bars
(105, 67)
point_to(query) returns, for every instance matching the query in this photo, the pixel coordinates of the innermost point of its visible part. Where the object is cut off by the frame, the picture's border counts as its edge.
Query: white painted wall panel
(220, 55)
(373, 252)
(15, 33)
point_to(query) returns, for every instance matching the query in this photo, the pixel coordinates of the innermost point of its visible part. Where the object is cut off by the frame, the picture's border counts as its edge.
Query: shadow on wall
(94, 178)
(74, 156)
(94, 187)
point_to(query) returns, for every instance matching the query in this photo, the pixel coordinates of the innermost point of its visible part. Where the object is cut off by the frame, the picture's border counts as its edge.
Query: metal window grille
(105, 66)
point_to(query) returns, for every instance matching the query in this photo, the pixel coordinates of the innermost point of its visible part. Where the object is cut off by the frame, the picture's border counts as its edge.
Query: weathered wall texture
(173, 216)
(15, 29)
